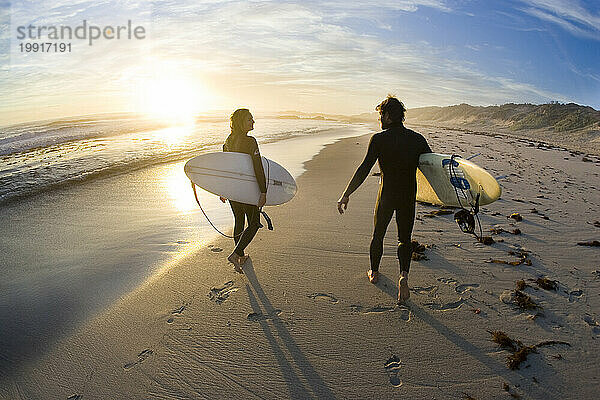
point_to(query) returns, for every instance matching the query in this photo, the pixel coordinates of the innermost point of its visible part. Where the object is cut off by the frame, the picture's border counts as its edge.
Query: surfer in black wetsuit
(397, 149)
(238, 141)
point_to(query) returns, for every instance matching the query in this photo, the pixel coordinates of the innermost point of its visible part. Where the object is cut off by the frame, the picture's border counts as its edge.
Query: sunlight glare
(175, 135)
(173, 97)
(179, 189)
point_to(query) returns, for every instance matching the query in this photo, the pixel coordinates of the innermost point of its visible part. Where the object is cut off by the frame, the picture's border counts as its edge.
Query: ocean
(40, 156)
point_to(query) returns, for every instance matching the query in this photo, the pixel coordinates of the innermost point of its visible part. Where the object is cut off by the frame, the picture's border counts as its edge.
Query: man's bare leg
(403, 290)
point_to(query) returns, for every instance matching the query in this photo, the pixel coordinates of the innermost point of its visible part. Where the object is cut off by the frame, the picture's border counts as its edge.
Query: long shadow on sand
(312, 385)
(515, 378)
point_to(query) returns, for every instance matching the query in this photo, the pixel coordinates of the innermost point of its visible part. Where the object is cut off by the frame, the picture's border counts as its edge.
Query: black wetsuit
(397, 149)
(241, 211)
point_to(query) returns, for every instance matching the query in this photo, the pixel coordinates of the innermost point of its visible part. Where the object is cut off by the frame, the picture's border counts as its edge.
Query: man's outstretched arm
(359, 176)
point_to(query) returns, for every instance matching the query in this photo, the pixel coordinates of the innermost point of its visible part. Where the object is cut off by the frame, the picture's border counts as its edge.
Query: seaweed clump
(519, 298)
(593, 243)
(418, 251)
(521, 285)
(514, 360)
(516, 216)
(487, 240)
(499, 230)
(504, 340)
(524, 301)
(518, 350)
(547, 284)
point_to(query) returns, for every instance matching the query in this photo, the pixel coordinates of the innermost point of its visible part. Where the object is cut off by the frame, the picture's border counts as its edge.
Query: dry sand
(304, 322)
(585, 141)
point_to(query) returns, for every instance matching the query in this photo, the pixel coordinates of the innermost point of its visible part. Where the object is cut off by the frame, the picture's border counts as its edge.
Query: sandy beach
(304, 322)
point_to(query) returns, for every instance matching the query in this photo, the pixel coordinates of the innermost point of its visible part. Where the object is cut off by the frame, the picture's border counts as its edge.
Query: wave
(75, 158)
(28, 136)
(34, 184)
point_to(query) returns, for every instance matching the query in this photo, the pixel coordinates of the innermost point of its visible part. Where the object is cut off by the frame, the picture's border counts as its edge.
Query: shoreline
(305, 323)
(97, 163)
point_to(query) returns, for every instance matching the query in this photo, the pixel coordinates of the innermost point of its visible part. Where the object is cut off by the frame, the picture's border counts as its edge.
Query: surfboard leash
(206, 216)
(465, 218)
(264, 214)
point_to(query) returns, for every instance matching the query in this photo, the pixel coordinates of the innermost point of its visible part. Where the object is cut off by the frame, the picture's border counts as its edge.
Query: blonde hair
(237, 120)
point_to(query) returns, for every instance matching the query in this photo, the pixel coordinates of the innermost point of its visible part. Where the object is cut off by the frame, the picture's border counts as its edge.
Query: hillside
(570, 125)
(567, 125)
(555, 117)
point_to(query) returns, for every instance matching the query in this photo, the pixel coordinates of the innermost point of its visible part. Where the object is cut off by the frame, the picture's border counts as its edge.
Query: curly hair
(393, 107)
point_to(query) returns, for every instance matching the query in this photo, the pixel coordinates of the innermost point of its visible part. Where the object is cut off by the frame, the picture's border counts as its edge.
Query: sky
(339, 57)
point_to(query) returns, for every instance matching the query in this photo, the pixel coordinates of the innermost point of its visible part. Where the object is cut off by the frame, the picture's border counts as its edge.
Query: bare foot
(235, 260)
(373, 276)
(403, 291)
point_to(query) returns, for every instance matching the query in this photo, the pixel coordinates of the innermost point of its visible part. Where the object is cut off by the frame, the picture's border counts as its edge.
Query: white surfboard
(231, 175)
(435, 186)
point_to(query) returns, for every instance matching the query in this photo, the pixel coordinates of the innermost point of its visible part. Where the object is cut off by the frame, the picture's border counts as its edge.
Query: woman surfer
(239, 141)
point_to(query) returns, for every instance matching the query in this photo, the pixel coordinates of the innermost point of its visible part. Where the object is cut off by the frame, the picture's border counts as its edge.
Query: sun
(174, 98)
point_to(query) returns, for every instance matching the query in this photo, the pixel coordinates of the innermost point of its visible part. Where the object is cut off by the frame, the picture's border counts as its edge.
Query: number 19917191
(46, 47)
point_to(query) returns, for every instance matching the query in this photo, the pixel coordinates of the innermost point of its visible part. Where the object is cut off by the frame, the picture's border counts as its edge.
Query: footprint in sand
(216, 249)
(405, 314)
(575, 295)
(219, 295)
(392, 367)
(592, 323)
(460, 289)
(323, 296)
(429, 290)
(177, 311)
(141, 358)
(445, 307)
(257, 317)
(379, 309)
(448, 281)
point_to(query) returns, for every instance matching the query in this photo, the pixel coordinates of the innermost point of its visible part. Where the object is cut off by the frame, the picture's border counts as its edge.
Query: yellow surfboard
(443, 180)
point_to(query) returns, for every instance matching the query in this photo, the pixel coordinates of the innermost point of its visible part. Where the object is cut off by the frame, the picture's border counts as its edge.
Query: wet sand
(304, 322)
(68, 254)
